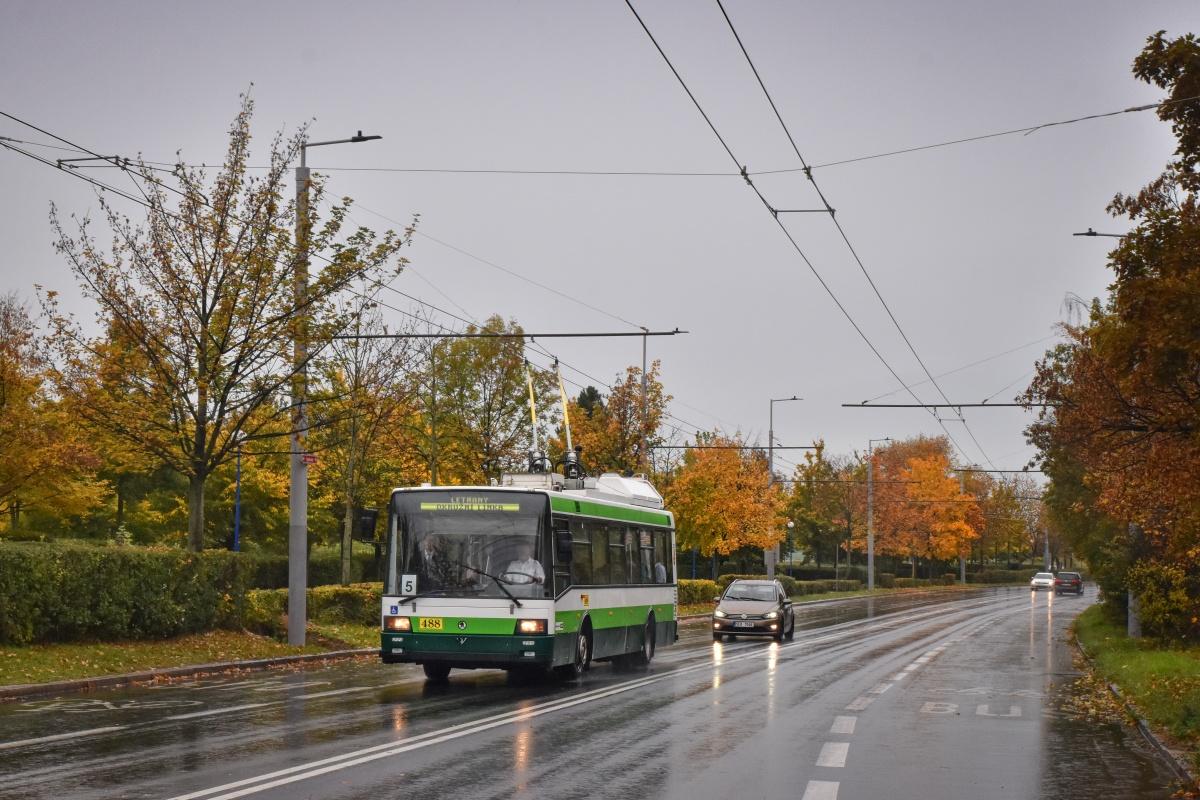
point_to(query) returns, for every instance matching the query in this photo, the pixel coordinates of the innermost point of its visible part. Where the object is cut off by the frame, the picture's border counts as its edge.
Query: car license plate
(743, 624)
(429, 624)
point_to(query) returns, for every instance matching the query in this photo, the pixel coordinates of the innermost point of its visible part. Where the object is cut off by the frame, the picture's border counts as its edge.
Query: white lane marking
(232, 709)
(899, 676)
(932, 707)
(332, 692)
(880, 688)
(982, 711)
(833, 754)
(434, 737)
(462, 729)
(843, 725)
(860, 703)
(214, 711)
(821, 790)
(58, 737)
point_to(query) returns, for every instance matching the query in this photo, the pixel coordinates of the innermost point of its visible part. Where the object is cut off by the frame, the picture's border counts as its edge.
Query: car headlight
(720, 613)
(772, 614)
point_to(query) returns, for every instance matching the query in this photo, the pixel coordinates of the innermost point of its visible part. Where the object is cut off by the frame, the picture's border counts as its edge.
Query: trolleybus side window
(618, 556)
(598, 536)
(645, 565)
(581, 561)
(662, 557)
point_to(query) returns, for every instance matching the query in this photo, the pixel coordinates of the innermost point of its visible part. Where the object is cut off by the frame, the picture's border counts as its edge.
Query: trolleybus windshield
(470, 543)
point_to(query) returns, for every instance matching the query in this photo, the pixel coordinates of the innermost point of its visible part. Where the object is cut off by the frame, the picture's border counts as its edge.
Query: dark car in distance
(1068, 582)
(753, 608)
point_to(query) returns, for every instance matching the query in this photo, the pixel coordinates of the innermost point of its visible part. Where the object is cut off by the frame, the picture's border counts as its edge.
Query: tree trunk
(14, 515)
(347, 540)
(196, 513)
(120, 500)
(914, 569)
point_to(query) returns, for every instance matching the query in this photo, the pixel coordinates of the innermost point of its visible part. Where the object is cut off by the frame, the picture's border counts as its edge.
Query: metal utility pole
(644, 454)
(771, 556)
(298, 485)
(433, 454)
(870, 513)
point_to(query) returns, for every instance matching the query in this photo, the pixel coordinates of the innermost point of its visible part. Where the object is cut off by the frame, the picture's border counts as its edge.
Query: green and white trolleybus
(540, 572)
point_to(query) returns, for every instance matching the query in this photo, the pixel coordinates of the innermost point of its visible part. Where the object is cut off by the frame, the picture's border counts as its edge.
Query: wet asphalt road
(932, 696)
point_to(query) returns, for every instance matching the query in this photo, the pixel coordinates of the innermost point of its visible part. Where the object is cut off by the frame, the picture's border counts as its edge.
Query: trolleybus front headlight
(397, 624)
(531, 626)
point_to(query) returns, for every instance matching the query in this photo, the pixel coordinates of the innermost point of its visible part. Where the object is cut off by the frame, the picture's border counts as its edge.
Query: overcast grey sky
(970, 245)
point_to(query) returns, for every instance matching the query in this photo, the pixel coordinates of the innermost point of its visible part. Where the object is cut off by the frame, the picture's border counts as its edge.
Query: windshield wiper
(499, 582)
(435, 592)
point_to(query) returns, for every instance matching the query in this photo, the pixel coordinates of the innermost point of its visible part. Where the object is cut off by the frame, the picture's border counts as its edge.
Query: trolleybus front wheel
(583, 655)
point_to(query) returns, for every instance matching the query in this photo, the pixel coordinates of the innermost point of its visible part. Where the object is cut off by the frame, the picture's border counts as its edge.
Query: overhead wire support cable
(497, 335)
(795, 245)
(845, 238)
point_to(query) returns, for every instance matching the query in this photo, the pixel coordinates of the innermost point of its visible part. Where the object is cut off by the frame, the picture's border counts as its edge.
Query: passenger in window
(660, 572)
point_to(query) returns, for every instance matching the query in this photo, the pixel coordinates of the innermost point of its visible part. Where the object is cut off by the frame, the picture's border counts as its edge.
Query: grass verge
(1163, 684)
(41, 663)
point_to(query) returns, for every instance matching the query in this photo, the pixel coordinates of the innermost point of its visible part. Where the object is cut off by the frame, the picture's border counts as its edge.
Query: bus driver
(525, 569)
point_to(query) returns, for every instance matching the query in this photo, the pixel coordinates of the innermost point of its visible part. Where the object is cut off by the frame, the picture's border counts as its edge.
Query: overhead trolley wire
(833, 216)
(795, 245)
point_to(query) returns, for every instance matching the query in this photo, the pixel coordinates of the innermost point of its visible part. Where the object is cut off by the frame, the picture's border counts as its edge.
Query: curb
(18, 691)
(1176, 759)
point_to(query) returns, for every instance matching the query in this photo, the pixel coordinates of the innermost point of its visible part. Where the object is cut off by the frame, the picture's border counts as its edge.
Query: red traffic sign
(309, 458)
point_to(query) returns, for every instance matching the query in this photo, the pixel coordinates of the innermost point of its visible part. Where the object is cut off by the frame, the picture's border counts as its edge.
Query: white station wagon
(1043, 580)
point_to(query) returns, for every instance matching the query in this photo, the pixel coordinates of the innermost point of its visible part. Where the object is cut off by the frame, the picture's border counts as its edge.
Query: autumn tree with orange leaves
(1119, 433)
(721, 498)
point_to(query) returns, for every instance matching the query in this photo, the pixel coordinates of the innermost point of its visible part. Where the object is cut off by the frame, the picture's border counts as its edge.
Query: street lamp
(298, 486)
(870, 513)
(1090, 232)
(772, 556)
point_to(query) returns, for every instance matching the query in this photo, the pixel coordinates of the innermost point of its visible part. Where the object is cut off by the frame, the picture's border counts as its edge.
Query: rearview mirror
(564, 553)
(363, 525)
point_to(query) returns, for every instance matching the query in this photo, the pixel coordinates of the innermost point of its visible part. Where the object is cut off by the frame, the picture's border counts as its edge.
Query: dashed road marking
(982, 711)
(843, 725)
(860, 703)
(821, 790)
(833, 754)
(880, 688)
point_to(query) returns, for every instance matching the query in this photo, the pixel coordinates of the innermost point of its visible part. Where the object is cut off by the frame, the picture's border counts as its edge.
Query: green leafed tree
(199, 288)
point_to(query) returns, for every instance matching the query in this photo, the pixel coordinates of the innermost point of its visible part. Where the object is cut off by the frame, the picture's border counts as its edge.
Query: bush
(949, 579)
(692, 592)
(1168, 596)
(789, 584)
(885, 580)
(911, 583)
(1001, 576)
(357, 604)
(68, 591)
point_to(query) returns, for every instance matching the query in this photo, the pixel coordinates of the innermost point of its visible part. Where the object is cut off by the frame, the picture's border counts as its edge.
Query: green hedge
(886, 580)
(1001, 576)
(357, 604)
(68, 591)
(794, 587)
(697, 591)
(789, 584)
